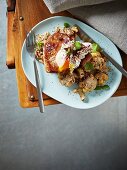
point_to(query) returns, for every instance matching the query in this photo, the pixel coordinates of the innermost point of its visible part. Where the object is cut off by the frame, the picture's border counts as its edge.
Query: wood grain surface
(23, 21)
(10, 58)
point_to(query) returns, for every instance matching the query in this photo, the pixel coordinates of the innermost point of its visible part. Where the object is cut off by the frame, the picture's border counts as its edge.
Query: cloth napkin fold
(61, 5)
(108, 18)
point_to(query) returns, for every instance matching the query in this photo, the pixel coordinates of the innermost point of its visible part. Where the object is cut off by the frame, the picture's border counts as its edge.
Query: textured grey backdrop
(63, 138)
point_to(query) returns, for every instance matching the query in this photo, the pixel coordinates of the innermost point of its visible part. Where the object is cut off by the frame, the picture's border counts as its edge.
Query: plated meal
(75, 62)
(72, 71)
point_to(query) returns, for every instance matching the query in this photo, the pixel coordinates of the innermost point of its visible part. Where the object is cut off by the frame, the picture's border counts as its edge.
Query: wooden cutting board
(26, 15)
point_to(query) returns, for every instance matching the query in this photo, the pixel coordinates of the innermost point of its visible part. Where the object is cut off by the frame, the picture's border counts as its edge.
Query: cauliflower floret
(75, 29)
(69, 31)
(99, 62)
(67, 79)
(80, 73)
(96, 54)
(88, 84)
(85, 86)
(80, 92)
(101, 78)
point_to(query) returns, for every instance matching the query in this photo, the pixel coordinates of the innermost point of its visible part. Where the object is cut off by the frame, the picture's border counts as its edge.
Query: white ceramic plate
(49, 81)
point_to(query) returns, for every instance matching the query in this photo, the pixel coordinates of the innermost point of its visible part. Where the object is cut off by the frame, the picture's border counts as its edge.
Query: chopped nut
(75, 29)
(101, 78)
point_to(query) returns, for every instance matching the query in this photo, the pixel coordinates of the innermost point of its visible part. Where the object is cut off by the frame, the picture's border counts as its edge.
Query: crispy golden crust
(51, 47)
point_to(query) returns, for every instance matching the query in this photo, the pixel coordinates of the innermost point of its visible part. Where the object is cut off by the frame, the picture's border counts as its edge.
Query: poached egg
(61, 56)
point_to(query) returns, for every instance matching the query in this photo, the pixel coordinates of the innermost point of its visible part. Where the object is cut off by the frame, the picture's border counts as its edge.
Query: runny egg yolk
(64, 63)
(61, 60)
(65, 66)
(61, 57)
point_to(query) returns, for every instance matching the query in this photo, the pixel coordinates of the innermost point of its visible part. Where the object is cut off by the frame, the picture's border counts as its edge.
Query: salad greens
(66, 25)
(40, 44)
(89, 66)
(105, 87)
(95, 47)
(78, 45)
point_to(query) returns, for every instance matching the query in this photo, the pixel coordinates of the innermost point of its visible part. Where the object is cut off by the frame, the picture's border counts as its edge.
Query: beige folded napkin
(109, 18)
(61, 5)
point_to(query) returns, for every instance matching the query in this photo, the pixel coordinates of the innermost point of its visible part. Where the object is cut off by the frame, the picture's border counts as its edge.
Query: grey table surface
(63, 138)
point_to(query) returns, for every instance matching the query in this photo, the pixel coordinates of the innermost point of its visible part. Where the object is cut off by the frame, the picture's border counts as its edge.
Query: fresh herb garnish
(78, 45)
(89, 66)
(66, 25)
(105, 87)
(68, 51)
(40, 44)
(95, 47)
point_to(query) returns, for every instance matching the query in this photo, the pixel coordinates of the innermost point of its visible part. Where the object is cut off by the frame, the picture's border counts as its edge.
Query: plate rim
(93, 106)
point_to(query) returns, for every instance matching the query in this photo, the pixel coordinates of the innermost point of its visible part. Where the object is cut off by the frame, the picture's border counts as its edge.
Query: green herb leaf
(66, 25)
(40, 44)
(89, 66)
(78, 45)
(68, 51)
(98, 88)
(95, 47)
(105, 87)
